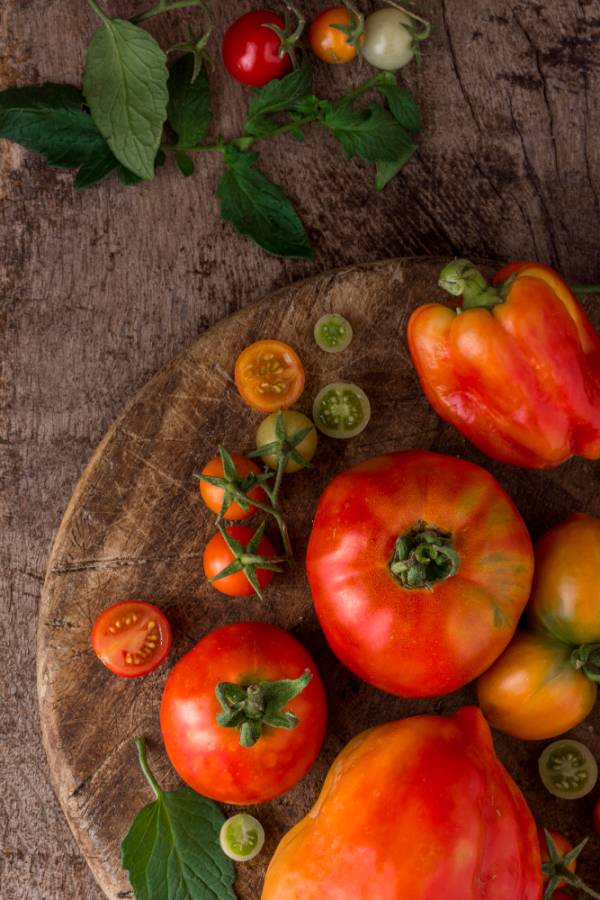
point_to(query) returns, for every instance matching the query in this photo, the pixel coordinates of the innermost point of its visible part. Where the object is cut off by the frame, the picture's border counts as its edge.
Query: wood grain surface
(136, 527)
(99, 290)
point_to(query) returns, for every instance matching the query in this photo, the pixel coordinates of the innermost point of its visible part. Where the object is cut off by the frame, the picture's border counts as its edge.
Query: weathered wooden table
(99, 290)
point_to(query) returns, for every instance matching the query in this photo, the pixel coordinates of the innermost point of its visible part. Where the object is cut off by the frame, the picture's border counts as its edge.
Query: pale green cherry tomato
(389, 42)
(333, 333)
(293, 422)
(242, 837)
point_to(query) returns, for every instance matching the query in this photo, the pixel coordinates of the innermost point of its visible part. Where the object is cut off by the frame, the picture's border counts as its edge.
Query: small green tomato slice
(568, 769)
(341, 410)
(333, 333)
(242, 837)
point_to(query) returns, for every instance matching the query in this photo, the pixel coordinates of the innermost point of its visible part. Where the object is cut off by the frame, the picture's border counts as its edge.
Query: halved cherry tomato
(131, 638)
(213, 495)
(562, 845)
(269, 375)
(329, 43)
(217, 556)
(251, 49)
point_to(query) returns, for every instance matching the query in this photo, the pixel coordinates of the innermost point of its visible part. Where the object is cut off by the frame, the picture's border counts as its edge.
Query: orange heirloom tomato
(231, 676)
(269, 376)
(565, 597)
(420, 567)
(329, 43)
(516, 367)
(417, 808)
(213, 494)
(533, 691)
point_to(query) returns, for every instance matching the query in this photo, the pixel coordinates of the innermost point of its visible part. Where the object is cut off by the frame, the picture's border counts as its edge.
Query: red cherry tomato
(131, 638)
(217, 556)
(251, 51)
(562, 845)
(213, 495)
(209, 756)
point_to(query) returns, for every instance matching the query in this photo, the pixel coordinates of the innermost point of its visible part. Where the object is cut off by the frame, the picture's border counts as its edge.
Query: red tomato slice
(269, 375)
(131, 638)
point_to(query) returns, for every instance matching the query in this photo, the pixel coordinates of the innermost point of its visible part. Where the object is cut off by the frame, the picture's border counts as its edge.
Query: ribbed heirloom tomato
(419, 809)
(243, 713)
(420, 566)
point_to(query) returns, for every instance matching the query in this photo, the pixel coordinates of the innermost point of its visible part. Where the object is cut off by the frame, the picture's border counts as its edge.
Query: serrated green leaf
(385, 171)
(372, 133)
(280, 95)
(172, 850)
(259, 210)
(184, 163)
(50, 120)
(403, 107)
(125, 86)
(188, 109)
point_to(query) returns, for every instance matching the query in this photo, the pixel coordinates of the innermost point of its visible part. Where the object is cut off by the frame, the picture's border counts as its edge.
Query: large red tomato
(420, 566)
(419, 808)
(249, 661)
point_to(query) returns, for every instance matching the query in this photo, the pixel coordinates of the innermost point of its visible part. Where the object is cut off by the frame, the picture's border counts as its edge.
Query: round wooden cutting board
(136, 528)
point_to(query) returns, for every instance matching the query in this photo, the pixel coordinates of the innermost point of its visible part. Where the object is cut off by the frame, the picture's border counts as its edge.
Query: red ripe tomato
(217, 556)
(420, 566)
(209, 756)
(251, 51)
(131, 638)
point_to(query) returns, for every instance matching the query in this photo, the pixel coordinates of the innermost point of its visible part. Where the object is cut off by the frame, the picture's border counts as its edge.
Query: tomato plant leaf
(50, 119)
(172, 848)
(125, 86)
(385, 171)
(258, 209)
(184, 163)
(129, 178)
(403, 107)
(188, 109)
(372, 133)
(280, 95)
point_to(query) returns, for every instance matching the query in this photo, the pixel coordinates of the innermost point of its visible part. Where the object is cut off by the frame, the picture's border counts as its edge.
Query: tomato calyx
(587, 659)
(246, 559)
(250, 707)
(461, 279)
(355, 29)
(418, 35)
(289, 36)
(284, 448)
(235, 488)
(557, 871)
(423, 556)
(196, 45)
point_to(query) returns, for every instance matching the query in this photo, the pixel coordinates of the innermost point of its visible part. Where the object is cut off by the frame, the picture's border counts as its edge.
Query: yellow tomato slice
(269, 375)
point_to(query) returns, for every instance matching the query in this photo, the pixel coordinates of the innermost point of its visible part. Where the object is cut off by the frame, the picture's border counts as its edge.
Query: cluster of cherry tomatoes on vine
(262, 45)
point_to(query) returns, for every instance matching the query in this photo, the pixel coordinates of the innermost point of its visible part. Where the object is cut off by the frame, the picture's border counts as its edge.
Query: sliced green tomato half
(333, 333)
(341, 410)
(242, 837)
(568, 769)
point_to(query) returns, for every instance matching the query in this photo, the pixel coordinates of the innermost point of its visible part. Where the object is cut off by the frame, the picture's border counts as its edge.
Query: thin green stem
(582, 289)
(362, 89)
(99, 11)
(140, 743)
(163, 7)
(199, 148)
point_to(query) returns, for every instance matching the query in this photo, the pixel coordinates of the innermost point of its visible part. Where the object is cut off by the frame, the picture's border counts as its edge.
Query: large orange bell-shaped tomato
(419, 808)
(420, 566)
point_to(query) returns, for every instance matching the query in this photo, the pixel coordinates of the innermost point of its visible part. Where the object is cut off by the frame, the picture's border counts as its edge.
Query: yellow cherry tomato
(533, 691)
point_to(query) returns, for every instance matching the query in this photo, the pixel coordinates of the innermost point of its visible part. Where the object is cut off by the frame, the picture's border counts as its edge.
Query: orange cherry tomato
(131, 638)
(213, 495)
(533, 691)
(217, 556)
(329, 43)
(562, 845)
(269, 375)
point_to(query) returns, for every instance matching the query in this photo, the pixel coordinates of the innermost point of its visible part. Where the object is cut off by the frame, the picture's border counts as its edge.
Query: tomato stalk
(461, 279)
(423, 556)
(246, 559)
(164, 6)
(196, 45)
(356, 27)
(250, 707)
(289, 39)
(140, 743)
(557, 869)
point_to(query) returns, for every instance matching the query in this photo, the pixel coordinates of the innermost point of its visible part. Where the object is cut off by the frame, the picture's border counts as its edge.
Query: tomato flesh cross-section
(131, 637)
(269, 375)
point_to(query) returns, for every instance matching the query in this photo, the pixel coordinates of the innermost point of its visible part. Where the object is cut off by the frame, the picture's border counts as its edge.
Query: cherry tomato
(568, 769)
(329, 43)
(209, 756)
(217, 556)
(420, 566)
(565, 600)
(533, 691)
(269, 375)
(251, 50)
(293, 423)
(389, 39)
(562, 845)
(213, 495)
(131, 638)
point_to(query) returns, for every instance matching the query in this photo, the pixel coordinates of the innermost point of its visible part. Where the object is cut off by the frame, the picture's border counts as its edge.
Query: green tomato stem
(461, 279)
(164, 7)
(423, 556)
(140, 743)
(99, 11)
(583, 289)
